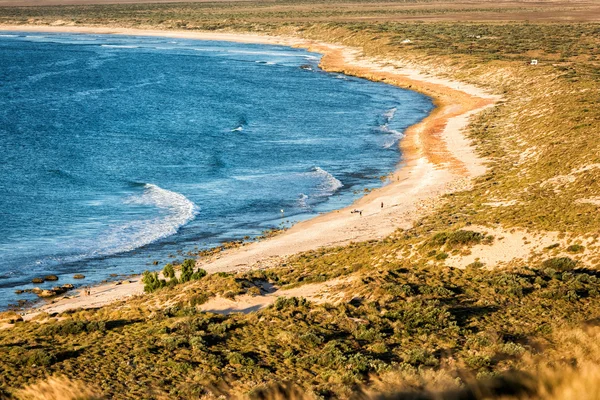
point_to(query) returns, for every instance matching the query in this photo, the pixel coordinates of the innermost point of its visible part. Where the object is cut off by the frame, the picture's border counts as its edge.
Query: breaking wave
(393, 135)
(242, 121)
(389, 114)
(328, 184)
(175, 209)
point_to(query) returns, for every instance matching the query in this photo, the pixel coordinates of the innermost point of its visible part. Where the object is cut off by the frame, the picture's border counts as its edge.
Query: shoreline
(436, 159)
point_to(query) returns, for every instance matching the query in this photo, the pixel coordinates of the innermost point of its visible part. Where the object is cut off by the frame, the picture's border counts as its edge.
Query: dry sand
(437, 159)
(331, 291)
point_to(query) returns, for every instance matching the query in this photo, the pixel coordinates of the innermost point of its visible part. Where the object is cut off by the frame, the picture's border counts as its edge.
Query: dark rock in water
(59, 289)
(36, 290)
(51, 278)
(46, 293)
(37, 280)
(19, 291)
(306, 67)
(78, 276)
(68, 286)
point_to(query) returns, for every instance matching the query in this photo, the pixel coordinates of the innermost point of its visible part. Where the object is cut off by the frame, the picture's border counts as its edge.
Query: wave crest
(394, 135)
(329, 184)
(389, 114)
(175, 211)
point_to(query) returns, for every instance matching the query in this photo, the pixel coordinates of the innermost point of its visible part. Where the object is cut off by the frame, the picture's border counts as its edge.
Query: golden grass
(58, 388)
(574, 376)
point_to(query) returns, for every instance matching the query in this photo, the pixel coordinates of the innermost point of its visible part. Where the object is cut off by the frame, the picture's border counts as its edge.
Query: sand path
(437, 159)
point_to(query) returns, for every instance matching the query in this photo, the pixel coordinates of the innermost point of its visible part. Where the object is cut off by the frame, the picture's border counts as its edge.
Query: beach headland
(436, 159)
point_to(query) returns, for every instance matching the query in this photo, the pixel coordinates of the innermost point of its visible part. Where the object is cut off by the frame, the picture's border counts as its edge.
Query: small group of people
(357, 211)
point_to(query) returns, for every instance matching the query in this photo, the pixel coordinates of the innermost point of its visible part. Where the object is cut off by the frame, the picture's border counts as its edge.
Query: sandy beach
(436, 159)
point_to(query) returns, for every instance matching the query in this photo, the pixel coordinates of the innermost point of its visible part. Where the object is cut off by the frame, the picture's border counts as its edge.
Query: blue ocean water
(119, 150)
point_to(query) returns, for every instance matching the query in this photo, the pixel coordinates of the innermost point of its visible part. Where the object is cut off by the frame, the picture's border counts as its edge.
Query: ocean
(118, 152)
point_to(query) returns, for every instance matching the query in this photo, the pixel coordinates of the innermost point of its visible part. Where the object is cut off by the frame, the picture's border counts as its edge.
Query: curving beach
(436, 159)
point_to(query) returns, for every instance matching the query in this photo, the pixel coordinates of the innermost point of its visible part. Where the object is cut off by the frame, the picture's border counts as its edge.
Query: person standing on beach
(382, 204)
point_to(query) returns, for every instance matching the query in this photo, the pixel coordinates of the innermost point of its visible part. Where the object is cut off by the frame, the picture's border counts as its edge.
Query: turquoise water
(119, 150)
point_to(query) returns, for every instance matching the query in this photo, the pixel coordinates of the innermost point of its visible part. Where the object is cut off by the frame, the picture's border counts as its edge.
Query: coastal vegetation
(404, 319)
(400, 319)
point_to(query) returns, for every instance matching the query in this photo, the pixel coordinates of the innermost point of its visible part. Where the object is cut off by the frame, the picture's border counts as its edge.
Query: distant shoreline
(437, 159)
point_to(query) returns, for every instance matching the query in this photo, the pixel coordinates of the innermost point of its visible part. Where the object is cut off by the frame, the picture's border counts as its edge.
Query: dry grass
(195, 13)
(58, 388)
(573, 376)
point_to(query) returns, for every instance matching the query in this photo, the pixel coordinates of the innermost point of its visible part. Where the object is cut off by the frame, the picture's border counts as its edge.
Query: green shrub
(197, 342)
(478, 361)
(151, 282)
(198, 299)
(475, 265)
(418, 357)
(560, 264)
(198, 274)
(575, 248)
(169, 271)
(439, 239)
(456, 239)
(172, 282)
(39, 358)
(70, 327)
(463, 238)
(290, 302)
(187, 270)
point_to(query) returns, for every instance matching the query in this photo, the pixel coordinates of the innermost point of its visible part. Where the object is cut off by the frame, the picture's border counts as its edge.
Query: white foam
(329, 183)
(260, 53)
(176, 210)
(394, 135)
(226, 51)
(389, 114)
(302, 201)
(392, 138)
(8, 35)
(119, 46)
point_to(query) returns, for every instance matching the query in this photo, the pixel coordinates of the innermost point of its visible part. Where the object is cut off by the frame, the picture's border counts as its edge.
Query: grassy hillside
(404, 320)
